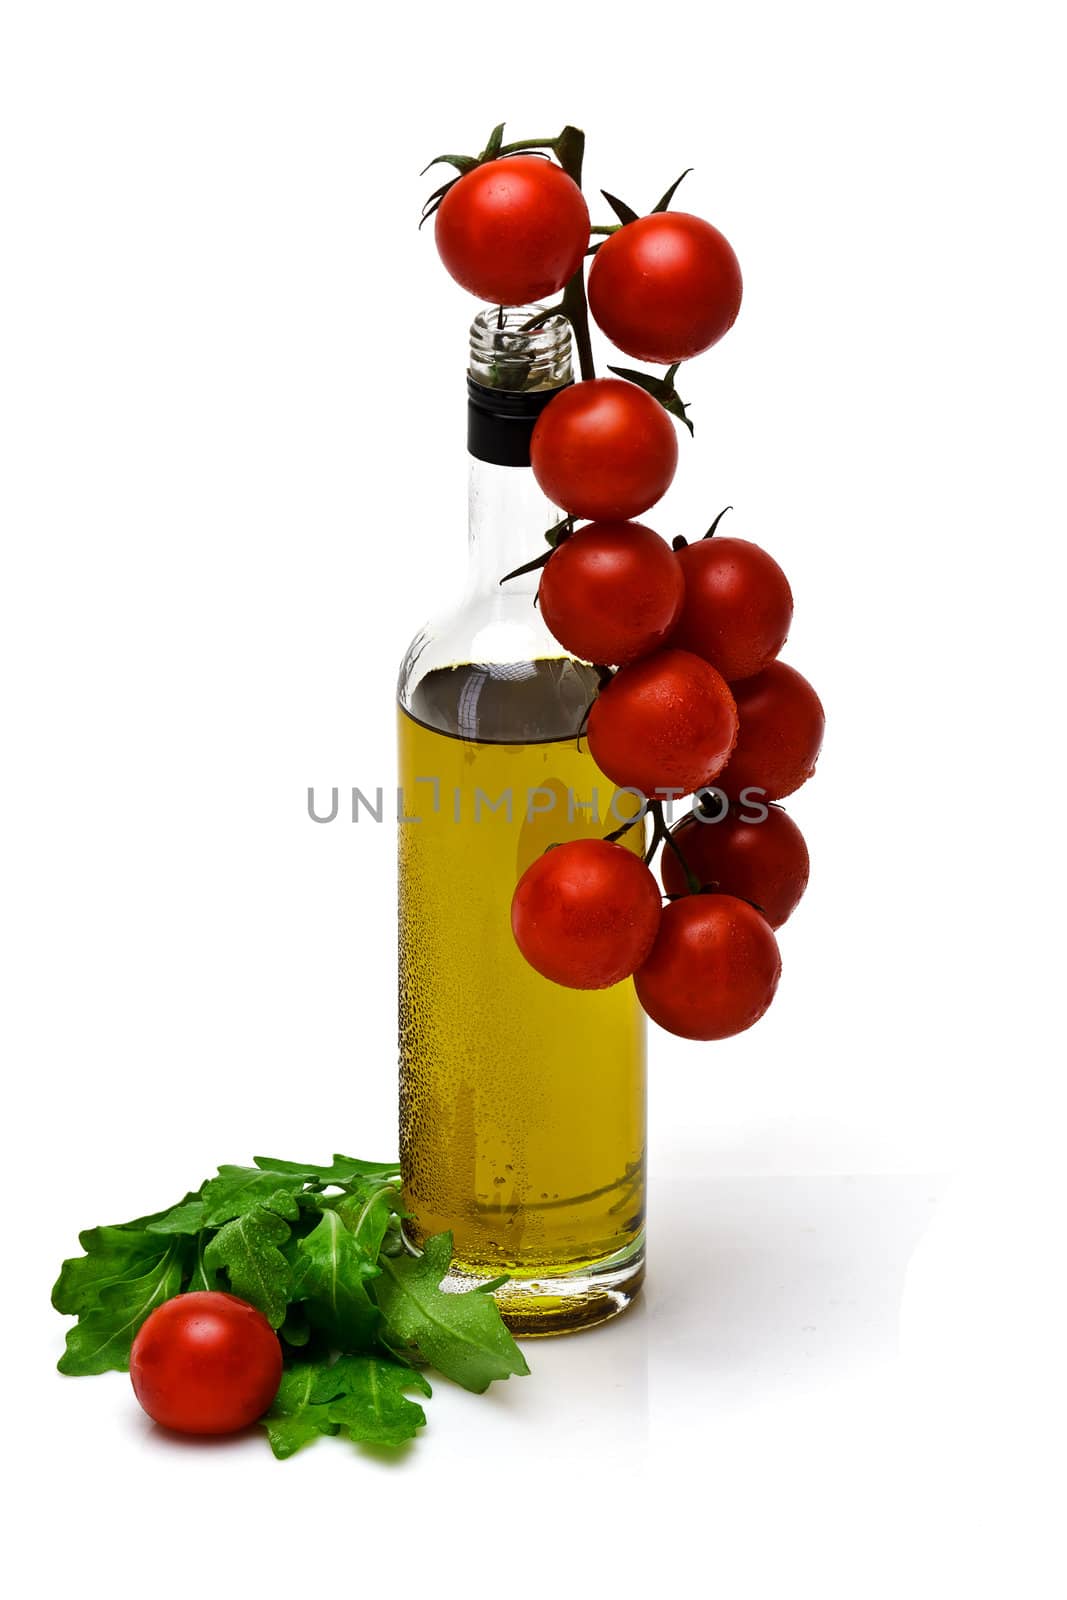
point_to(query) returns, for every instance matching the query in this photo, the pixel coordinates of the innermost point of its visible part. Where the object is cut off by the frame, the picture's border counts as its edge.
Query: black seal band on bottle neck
(500, 422)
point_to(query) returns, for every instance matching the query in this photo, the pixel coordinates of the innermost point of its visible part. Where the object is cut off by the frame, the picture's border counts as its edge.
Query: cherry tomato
(668, 722)
(738, 606)
(713, 969)
(513, 230)
(585, 913)
(765, 862)
(665, 287)
(604, 450)
(612, 592)
(781, 723)
(206, 1363)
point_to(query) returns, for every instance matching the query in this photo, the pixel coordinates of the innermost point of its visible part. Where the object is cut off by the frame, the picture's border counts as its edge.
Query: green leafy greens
(361, 1396)
(459, 1334)
(318, 1250)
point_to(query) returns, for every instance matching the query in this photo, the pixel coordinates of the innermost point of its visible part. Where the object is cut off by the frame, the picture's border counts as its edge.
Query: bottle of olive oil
(522, 1104)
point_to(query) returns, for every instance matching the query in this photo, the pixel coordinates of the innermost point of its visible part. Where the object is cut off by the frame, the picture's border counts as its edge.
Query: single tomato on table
(206, 1362)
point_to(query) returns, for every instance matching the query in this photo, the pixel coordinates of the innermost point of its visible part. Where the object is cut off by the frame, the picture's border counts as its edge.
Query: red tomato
(713, 969)
(765, 861)
(513, 230)
(604, 450)
(612, 592)
(585, 913)
(668, 722)
(206, 1363)
(665, 287)
(781, 723)
(738, 606)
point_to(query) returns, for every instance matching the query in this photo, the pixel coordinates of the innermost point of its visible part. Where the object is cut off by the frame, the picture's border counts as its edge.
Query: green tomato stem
(692, 882)
(531, 145)
(570, 151)
(661, 834)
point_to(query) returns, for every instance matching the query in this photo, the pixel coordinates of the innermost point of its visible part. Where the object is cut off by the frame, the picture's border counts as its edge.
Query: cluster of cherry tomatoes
(699, 702)
(696, 699)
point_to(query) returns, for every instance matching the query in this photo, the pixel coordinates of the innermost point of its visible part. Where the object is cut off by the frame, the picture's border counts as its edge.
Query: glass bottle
(522, 1103)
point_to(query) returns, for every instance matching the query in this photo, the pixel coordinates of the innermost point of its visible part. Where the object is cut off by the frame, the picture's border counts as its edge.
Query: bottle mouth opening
(508, 354)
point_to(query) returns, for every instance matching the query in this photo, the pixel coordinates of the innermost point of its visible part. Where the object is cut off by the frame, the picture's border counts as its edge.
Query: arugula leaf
(332, 1272)
(368, 1212)
(295, 1330)
(296, 1418)
(232, 1192)
(461, 1335)
(248, 1248)
(140, 1224)
(372, 1408)
(101, 1340)
(112, 1255)
(186, 1217)
(202, 1277)
(342, 1170)
(359, 1395)
(238, 1190)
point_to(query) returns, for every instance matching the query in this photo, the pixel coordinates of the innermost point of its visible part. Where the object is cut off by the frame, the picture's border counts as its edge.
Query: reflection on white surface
(592, 1385)
(759, 1285)
(762, 1293)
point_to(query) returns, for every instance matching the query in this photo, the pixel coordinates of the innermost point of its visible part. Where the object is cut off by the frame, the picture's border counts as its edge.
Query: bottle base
(538, 1307)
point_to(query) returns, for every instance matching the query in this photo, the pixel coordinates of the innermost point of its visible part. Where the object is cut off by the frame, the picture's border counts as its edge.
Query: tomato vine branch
(631, 822)
(692, 882)
(570, 152)
(661, 834)
(527, 147)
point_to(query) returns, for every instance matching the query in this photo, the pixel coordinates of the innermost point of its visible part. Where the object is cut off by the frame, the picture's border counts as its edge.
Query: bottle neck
(509, 516)
(520, 359)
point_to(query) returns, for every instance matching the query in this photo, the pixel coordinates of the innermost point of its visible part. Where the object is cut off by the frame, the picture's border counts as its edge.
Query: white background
(232, 488)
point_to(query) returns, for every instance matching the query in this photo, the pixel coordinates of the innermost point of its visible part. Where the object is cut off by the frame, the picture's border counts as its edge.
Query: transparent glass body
(522, 1103)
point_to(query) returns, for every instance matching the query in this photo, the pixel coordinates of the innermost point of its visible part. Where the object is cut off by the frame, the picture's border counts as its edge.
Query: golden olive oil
(522, 1103)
